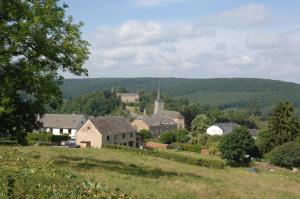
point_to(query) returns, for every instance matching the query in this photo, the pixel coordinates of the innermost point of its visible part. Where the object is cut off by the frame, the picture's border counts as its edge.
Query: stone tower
(158, 103)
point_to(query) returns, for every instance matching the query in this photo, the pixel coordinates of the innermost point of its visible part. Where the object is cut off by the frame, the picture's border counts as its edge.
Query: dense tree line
(222, 93)
(95, 104)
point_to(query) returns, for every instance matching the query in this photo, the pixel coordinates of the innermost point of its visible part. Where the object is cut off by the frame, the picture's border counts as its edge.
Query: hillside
(143, 176)
(223, 92)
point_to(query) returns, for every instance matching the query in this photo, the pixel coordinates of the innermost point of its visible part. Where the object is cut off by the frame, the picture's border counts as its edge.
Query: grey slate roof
(227, 127)
(62, 121)
(112, 124)
(157, 120)
(172, 114)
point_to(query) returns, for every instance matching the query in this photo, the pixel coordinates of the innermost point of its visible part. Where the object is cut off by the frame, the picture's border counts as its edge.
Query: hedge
(47, 137)
(205, 162)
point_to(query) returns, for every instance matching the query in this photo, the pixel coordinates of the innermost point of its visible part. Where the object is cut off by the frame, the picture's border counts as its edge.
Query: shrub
(286, 155)
(167, 137)
(59, 138)
(238, 146)
(205, 162)
(174, 136)
(145, 134)
(181, 135)
(43, 137)
(191, 147)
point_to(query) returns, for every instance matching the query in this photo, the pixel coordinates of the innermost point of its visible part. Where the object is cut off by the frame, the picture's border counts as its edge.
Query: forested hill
(223, 92)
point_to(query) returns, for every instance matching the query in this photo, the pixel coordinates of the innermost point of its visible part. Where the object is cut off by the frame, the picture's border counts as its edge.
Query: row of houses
(98, 131)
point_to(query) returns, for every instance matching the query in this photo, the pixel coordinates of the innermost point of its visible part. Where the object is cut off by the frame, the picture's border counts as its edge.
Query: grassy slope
(222, 91)
(149, 177)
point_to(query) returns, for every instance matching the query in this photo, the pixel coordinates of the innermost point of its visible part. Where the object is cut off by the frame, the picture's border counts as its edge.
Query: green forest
(223, 93)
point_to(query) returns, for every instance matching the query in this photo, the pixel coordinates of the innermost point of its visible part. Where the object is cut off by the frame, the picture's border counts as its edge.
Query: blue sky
(191, 38)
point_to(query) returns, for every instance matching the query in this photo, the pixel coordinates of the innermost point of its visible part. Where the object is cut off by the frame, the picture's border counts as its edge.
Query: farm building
(59, 124)
(98, 131)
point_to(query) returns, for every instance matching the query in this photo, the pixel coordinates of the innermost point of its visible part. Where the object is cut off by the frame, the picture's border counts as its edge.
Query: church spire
(158, 92)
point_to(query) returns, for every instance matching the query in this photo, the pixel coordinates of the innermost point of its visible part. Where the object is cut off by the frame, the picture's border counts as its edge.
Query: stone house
(155, 124)
(129, 97)
(162, 120)
(59, 124)
(98, 131)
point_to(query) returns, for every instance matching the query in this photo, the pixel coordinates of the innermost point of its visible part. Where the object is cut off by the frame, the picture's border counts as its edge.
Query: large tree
(37, 41)
(200, 124)
(238, 146)
(283, 127)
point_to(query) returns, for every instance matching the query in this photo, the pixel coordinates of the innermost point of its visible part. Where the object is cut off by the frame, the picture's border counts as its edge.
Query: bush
(181, 135)
(286, 155)
(167, 137)
(205, 162)
(43, 137)
(174, 136)
(238, 146)
(59, 138)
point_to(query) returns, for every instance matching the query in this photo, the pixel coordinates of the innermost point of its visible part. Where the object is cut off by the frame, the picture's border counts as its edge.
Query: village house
(98, 131)
(59, 124)
(155, 124)
(129, 97)
(161, 120)
(223, 128)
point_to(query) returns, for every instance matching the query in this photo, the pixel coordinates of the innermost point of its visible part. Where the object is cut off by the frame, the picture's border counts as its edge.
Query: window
(107, 138)
(115, 137)
(125, 144)
(61, 131)
(88, 128)
(131, 135)
(69, 131)
(123, 135)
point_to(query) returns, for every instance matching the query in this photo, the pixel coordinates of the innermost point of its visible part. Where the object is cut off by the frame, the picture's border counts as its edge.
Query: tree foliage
(95, 104)
(200, 124)
(236, 146)
(174, 136)
(36, 40)
(286, 155)
(283, 127)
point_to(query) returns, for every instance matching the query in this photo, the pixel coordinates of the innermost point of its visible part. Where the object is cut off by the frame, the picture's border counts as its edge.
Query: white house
(221, 128)
(59, 124)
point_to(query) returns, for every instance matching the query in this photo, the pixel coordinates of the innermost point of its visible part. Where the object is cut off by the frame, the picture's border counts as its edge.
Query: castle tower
(158, 103)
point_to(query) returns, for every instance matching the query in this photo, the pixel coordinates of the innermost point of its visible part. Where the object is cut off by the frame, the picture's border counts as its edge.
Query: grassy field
(149, 177)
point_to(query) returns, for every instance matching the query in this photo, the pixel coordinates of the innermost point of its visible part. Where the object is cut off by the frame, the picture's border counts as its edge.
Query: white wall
(214, 130)
(65, 131)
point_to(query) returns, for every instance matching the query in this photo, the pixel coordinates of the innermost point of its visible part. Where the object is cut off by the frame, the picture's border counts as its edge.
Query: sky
(191, 38)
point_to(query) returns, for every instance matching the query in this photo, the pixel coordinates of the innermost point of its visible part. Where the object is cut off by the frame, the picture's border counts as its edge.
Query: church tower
(158, 103)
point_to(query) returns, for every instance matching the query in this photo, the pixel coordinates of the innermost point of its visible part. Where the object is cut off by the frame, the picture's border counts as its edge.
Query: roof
(171, 114)
(112, 124)
(227, 127)
(157, 120)
(65, 121)
(128, 94)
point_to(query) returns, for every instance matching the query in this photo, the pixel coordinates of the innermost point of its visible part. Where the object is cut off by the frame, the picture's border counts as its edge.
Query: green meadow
(143, 176)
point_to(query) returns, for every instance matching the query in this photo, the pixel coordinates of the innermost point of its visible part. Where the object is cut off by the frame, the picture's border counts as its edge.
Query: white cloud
(248, 16)
(234, 43)
(266, 40)
(154, 3)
